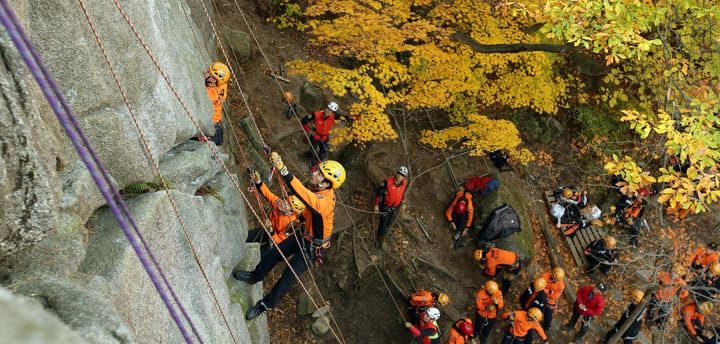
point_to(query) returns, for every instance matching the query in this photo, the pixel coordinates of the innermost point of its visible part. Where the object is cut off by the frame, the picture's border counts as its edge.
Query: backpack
(422, 298)
(481, 185)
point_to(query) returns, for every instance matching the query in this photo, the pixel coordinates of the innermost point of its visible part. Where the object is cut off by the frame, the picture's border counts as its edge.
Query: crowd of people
(300, 223)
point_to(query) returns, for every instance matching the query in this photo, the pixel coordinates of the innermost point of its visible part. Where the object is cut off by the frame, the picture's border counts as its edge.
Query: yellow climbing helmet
(221, 72)
(478, 255)
(539, 284)
(443, 299)
(491, 287)
(567, 192)
(535, 314)
(637, 296)
(334, 172)
(297, 204)
(558, 273)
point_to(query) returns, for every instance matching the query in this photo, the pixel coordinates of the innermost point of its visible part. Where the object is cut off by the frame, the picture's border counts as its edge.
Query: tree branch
(509, 48)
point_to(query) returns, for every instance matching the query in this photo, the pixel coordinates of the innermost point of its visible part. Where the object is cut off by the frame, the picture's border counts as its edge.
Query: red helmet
(643, 192)
(460, 207)
(466, 328)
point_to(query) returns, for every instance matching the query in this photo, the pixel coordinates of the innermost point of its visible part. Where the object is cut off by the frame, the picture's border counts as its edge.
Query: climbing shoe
(255, 311)
(245, 276)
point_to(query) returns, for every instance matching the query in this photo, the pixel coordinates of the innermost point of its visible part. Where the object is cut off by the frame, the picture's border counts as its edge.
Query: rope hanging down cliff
(82, 145)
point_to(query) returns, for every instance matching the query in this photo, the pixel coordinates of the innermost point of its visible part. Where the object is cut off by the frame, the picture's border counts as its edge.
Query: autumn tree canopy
(475, 61)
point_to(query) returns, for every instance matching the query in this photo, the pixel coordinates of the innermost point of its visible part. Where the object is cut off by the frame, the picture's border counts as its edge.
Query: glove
(376, 209)
(495, 301)
(490, 307)
(268, 224)
(277, 162)
(408, 325)
(255, 176)
(452, 226)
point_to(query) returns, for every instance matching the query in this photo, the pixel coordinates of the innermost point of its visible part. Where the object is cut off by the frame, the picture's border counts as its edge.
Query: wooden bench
(582, 237)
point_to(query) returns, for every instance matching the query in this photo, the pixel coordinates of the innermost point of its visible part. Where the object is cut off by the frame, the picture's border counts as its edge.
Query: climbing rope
(82, 145)
(307, 138)
(156, 169)
(212, 148)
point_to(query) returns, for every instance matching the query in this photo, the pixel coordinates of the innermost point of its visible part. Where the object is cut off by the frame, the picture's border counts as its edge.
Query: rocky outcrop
(72, 274)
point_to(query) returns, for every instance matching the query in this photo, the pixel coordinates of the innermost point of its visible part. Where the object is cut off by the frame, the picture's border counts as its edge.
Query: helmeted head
(466, 328)
(220, 72)
(403, 171)
(333, 106)
(539, 284)
(558, 274)
(289, 97)
(643, 192)
(491, 287)
(461, 207)
(443, 299)
(535, 314)
(705, 307)
(636, 296)
(433, 313)
(478, 255)
(297, 205)
(334, 172)
(567, 192)
(678, 269)
(610, 241)
(601, 287)
(714, 268)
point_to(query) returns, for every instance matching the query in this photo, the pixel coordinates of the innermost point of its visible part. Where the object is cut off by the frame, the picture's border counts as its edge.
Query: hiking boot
(255, 311)
(245, 276)
(457, 236)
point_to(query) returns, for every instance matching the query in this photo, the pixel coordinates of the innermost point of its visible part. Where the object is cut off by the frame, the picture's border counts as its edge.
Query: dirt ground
(365, 285)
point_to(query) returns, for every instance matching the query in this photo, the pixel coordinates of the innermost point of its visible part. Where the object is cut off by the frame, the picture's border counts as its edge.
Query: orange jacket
(217, 96)
(702, 256)
(483, 301)
(521, 325)
(468, 204)
(553, 289)
(498, 257)
(671, 287)
(278, 220)
(319, 211)
(690, 313)
(455, 337)
(422, 298)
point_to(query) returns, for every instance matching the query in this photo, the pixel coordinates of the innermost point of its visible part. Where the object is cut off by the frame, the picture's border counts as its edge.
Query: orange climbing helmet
(289, 97)
(220, 72)
(478, 255)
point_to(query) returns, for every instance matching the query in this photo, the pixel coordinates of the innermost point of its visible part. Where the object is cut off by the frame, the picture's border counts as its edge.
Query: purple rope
(77, 137)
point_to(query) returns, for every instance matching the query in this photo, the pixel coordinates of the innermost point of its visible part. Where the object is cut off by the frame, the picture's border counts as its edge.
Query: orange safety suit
(701, 257)
(468, 204)
(217, 95)
(483, 301)
(692, 318)
(319, 212)
(670, 287)
(521, 325)
(553, 289)
(278, 220)
(496, 257)
(455, 337)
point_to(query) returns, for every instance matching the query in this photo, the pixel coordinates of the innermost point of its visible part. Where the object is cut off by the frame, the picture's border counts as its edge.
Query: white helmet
(403, 171)
(333, 106)
(433, 313)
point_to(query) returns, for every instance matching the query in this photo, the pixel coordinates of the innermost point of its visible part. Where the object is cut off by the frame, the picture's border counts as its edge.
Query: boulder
(239, 42)
(23, 320)
(311, 97)
(226, 204)
(190, 165)
(321, 325)
(244, 295)
(80, 194)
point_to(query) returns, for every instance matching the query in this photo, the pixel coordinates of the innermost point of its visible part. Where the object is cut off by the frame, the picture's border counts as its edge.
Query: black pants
(482, 327)
(585, 323)
(386, 216)
(459, 221)
(663, 312)
(320, 148)
(259, 235)
(289, 247)
(218, 136)
(613, 331)
(596, 264)
(547, 318)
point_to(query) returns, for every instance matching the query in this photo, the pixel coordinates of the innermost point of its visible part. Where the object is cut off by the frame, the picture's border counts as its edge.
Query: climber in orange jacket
(498, 258)
(694, 318)
(702, 257)
(488, 301)
(460, 212)
(420, 301)
(521, 324)
(461, 332)
(554, 289)
(671, 284)
(318, 125)
(216, 79)
(283, 215)
(310, 244)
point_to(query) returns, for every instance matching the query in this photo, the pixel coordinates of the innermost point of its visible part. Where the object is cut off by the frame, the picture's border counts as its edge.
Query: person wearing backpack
(460, 212)
(420, 301)
(388, 199)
